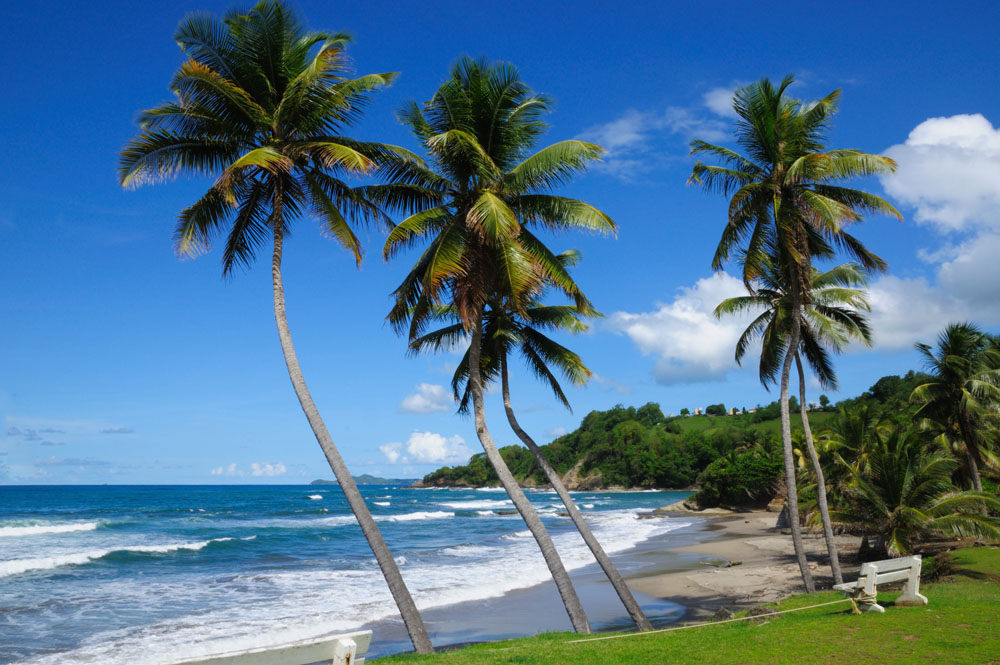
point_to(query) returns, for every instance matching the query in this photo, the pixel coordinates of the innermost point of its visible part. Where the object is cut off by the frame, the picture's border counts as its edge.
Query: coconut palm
(783, 194)
(903, 494)
(965, 392)
(522, 329)
(259, 105)
(477, 209)
(832, 317)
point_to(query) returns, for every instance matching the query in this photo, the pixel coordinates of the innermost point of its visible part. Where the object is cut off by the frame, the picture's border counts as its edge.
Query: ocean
(148, 574)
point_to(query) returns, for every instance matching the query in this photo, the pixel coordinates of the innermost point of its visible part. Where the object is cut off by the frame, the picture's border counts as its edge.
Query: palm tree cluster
(263, 107)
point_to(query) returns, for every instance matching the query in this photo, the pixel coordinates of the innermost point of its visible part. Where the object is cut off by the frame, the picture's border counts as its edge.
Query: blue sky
(120, 363)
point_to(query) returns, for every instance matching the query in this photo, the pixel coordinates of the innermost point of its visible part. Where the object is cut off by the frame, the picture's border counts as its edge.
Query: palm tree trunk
(621, 588)
(792, 499)
(574, 609)
(824, 511)
(407, 608)
(971, 452)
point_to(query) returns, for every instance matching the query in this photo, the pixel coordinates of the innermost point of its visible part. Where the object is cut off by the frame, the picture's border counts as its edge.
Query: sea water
(116, 575)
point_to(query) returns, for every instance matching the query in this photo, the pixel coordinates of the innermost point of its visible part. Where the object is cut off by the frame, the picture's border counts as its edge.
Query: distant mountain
(366, 479)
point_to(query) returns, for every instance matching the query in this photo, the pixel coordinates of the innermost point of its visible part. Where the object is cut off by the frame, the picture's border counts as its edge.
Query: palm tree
(903, 494)
(965, 392)
(478, 208)
(832, 317)
(260, 104)
(783, 195)
(507, 329)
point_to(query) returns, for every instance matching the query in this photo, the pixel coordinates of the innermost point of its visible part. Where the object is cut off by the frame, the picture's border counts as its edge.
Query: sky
(121, 363)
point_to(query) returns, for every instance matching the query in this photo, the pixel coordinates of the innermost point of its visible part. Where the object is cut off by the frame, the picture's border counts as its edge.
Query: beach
(764, 570)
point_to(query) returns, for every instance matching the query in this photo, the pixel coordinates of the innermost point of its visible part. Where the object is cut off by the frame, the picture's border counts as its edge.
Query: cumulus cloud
(949, 174)
(949, 170)
(267, 469)
(720, 101)
(231, 470)
(555, 432)
(427, 448)
(689, 343)
(429, 398)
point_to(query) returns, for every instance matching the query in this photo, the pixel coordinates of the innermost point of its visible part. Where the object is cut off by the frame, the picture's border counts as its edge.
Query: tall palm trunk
(634, 611)
(824, 511)
(792, 498)
(407, 608)
(971, 451)
(574, 609)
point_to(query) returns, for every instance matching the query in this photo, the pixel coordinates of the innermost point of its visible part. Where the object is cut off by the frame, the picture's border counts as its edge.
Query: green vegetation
(958, 627)
(640, 447)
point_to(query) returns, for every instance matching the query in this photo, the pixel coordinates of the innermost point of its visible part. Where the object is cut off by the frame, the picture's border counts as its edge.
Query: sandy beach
(766, 571)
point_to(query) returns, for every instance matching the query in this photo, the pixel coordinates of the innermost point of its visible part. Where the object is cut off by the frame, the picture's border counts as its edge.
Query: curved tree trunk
(621, 588)
(824, 511)
(574, 609)
(971, 452)
(792, 499)
(407, 608)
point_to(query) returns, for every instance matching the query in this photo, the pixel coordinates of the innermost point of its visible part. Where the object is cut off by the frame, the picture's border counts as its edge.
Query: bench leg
(911, 591)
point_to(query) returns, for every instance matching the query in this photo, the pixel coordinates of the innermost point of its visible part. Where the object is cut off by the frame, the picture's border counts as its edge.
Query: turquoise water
(116, 575)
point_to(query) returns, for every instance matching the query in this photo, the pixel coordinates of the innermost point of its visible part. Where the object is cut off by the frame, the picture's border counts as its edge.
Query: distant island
(366, 479)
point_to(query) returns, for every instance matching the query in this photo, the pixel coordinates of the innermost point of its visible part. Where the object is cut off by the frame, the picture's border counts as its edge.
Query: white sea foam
(296, 605)
(420, 515)
(484, 512)
(475, 504)
(19, 566)
(382, 503)
(490, 489)
(315, 496)
(40, 529)
(588, 505)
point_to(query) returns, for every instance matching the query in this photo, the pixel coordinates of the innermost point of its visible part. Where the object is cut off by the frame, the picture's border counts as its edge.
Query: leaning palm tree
(522, 329)
(902, 493)
(783, 193)
(832, 317)
(965, 391)
(477, 208)
(260, 104)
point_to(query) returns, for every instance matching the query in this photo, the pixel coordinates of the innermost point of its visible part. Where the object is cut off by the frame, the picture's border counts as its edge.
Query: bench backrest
(874, 573)
(347, 649)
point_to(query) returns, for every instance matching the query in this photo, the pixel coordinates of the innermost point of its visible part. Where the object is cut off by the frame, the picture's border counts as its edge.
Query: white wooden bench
(347, 649)
(874, 573)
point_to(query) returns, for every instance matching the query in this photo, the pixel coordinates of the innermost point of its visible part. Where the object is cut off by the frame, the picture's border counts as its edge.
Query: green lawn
(961, 625)
(818, 420)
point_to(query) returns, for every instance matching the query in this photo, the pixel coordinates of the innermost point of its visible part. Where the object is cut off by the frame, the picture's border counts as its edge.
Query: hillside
(642, 448)
(365, 479)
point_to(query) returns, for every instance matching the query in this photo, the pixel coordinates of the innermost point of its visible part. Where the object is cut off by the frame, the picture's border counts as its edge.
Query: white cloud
(427, 448)
(638, 141)
(556, 432)
(690, 344)
(392, 451)
(267, 469)
(230, 470)
(720, 101)
(949, 171)
(429, 398)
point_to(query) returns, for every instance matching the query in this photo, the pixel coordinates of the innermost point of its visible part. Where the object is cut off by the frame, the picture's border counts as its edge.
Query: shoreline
(766, 571)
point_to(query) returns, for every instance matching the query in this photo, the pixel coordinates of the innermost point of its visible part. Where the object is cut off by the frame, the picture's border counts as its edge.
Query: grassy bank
(959, 626)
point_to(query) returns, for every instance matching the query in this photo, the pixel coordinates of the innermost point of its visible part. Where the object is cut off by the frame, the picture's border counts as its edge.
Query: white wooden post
(343, 652)
(870, 573)
(911, 590)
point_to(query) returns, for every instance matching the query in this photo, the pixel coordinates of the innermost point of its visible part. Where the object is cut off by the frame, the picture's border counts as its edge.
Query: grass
(958, 626)
(818, 420)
